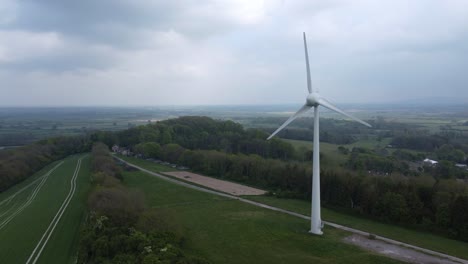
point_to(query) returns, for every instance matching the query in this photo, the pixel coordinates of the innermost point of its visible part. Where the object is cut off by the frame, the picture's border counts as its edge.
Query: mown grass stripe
(50, 229)
(30, 198)
(20, 191)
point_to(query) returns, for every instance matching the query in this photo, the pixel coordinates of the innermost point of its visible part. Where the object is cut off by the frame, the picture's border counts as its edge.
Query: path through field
(40, 217)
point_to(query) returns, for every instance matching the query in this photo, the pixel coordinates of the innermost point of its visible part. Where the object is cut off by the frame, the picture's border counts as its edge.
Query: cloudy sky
(149, 52)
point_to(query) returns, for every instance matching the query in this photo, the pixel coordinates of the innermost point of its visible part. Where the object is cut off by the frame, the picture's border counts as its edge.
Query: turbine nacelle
(313, 99)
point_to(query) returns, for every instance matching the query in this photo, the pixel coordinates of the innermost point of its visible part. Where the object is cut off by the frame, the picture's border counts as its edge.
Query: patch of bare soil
(394, 251)
(220, 185)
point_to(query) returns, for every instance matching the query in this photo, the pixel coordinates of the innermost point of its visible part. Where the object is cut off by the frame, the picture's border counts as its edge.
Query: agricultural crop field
(40, 218)
(19, 126)
(228, 231)
(334, 157)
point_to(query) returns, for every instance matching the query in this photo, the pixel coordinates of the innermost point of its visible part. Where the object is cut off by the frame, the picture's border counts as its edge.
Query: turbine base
(317, 232)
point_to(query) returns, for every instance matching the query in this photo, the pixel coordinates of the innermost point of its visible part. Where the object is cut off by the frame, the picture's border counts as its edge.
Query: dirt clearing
(220, 185)
(394, 251)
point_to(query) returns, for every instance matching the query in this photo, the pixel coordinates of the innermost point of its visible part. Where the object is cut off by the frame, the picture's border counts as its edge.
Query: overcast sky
(146, 52)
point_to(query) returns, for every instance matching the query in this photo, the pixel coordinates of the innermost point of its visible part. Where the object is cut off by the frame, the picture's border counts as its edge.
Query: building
(430, 162)
(115, 148)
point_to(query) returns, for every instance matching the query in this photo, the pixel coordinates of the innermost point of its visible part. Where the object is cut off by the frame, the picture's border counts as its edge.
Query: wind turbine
(314, 100)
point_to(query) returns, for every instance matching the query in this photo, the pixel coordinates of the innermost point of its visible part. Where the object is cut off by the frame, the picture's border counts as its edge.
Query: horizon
(415, 103)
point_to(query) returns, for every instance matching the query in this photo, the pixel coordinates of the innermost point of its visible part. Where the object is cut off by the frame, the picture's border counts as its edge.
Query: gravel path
(427, 256)
(394, 251)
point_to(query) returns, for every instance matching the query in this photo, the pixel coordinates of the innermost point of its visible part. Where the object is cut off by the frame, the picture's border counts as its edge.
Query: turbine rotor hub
(313, 99)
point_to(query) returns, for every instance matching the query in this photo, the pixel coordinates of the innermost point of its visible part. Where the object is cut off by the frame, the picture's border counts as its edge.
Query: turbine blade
(330, 106)
(309, 80)
(301, 111)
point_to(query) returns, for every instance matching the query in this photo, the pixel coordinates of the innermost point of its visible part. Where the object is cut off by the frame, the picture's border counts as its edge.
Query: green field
(332, 156)
(335, 158)
(228, 231)
(28, 209)
(421, 239)
(329, 147)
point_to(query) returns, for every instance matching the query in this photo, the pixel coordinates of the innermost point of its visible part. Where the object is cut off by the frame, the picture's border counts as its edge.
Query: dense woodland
(388, 184)
(19, 163)
(120, 228)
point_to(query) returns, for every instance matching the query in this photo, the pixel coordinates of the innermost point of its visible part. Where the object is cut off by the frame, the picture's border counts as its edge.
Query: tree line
(422, 202)
(120, 228)
(198, 132)
(17, 164)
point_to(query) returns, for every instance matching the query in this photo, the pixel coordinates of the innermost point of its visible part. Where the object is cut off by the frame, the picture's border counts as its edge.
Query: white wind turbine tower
(315, 100)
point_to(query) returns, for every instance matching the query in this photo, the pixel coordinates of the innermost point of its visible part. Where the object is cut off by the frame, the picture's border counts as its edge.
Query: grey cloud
(61, 63)
(193, 52)
(121, 22)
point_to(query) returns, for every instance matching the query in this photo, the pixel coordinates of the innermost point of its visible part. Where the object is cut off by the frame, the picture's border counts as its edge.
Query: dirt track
(223, 186)
(394, 251)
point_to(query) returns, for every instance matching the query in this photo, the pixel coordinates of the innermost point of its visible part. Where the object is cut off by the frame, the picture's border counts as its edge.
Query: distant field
(327, 147)
(19, 126)
(28, 209)
(332, 156)
(228, 231)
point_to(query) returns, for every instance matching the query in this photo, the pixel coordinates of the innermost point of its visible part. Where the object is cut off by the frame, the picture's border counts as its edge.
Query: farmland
(354, 161)
(19, 126)
(387, 183)
(422, 239)
(227, 231)
(40, 217)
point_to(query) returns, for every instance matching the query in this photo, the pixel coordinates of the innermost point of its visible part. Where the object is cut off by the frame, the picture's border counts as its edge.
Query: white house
(115, 148)
(430, 162)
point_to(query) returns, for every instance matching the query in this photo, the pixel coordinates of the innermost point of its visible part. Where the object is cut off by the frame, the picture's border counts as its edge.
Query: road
(434, 256)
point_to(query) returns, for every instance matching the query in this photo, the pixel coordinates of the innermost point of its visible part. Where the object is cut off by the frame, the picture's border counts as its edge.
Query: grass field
(329, 147)
(228, 231)
(28, 209)
(332, 156)
(422, 239)
(335, 158)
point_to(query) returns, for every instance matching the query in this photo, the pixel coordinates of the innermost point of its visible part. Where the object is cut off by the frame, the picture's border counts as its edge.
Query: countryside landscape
(373, 179)
(233, 132)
